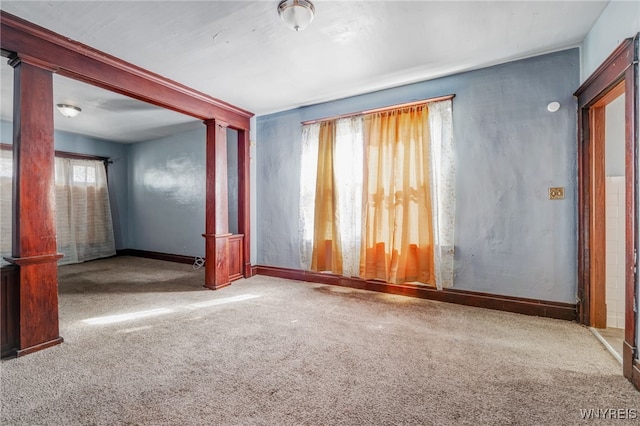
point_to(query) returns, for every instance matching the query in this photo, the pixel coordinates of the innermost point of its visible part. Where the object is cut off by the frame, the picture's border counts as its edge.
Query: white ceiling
(242, 53)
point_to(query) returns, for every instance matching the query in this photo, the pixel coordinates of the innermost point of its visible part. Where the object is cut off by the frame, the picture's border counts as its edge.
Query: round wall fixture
(553, 106)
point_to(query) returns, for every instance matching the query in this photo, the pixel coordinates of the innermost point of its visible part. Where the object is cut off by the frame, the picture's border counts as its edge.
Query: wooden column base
(627, 360)
(216, 268)
(38, 302)
(39, 347)
(635, 374)
(248, 270)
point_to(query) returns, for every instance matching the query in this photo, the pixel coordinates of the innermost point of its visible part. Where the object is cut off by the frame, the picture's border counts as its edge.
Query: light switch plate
(556, 193)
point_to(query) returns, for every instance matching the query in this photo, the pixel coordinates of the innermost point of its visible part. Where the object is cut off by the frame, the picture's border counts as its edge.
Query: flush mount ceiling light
(297, 14)
(68, 111)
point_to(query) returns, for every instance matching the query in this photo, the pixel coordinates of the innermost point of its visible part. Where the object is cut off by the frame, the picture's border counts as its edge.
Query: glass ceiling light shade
(68, 111)
(297, 14)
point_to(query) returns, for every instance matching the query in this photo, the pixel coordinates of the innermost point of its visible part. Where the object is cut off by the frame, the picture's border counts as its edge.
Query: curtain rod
(64, 154)
(383, 109)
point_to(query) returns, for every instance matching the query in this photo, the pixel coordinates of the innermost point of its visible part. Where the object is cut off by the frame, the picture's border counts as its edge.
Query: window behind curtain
(6, 177)
(347, 148)
(83, 214)
(84, 226)
(437, 169)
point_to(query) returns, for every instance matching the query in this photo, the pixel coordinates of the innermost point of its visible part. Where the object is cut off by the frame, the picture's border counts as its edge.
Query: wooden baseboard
(217, 286)
(157, 255)
(189, 260)
(542, 308)
(628, 363)
(26, 351)
(635, 375)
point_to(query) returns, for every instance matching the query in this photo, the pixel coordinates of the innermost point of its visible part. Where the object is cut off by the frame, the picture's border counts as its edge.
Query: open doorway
(608, 297)
(607, 204)
(35, 55)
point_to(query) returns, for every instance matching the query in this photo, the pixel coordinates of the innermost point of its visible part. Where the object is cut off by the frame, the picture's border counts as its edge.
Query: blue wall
(232, 179)
(510, 239)
(619, 20)
(118, 171)
(167, 194)
(157, 188)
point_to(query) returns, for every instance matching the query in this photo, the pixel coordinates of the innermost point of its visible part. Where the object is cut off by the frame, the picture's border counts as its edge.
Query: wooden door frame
(618, 74)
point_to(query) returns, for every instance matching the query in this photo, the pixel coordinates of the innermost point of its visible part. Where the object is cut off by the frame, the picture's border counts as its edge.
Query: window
(84, 226)
(6, 177)
(377, 195)
(84, 174)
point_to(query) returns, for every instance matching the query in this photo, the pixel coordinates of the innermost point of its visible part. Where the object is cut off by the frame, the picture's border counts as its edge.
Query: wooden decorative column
(216, 274)
(34, 222)
(244, 197)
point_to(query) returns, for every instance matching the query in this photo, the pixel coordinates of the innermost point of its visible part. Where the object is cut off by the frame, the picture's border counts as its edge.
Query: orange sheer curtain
(327, 253)
(397, 240)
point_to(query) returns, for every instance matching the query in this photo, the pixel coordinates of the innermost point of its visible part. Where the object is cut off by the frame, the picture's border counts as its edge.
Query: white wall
(614, 137)
(615, 208)
(619, 20)
(615, 251)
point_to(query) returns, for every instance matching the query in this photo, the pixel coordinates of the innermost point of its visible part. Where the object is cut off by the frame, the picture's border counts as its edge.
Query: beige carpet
(268, 351)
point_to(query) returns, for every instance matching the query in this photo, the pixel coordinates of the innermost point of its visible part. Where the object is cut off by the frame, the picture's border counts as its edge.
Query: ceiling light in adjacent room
(68, 111)
(553, 106)
(297, 14)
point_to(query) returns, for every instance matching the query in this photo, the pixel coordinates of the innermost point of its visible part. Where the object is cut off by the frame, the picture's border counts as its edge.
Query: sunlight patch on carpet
(111, 319)
(215, 302)
(127, 317)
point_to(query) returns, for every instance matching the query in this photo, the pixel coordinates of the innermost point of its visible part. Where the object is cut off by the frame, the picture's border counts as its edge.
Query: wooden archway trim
(37, 53)
(81, 62)
(617, 74)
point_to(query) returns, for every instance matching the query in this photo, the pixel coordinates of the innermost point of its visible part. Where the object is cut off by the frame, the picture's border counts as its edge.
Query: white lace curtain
(348, 163)
(84, 226)
(443, 189)
(308, 166)
(6, 177)
(83, 215)
(348, 166)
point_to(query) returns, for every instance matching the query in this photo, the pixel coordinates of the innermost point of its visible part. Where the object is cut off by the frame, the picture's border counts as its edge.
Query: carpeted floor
(269, 351)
